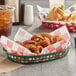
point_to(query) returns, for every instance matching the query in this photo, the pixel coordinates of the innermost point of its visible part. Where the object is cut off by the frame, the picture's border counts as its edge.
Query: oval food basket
(37, 58)
(57, 24)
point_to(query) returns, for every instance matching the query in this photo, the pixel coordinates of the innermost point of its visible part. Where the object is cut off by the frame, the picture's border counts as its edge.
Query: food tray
(43, 12)
(37, 58)
(54, 25)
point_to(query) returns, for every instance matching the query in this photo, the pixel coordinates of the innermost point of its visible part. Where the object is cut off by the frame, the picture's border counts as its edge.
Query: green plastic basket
(37, 58)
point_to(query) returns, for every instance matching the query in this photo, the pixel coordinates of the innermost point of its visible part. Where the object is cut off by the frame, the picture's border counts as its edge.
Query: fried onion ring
(32, 48)
(40, 41)
(19, 43)
(44, 43)
(29, 42)
(57, 38)
(39, 47)
(37, 37)
(49, 36)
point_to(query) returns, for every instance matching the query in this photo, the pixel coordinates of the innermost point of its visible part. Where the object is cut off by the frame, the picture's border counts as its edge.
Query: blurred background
(45, 3)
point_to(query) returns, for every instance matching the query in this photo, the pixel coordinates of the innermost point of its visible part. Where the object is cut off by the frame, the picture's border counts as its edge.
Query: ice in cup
(6, 13)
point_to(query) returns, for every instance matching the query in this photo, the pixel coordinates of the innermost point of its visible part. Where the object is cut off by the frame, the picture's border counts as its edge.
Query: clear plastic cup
(6, 13)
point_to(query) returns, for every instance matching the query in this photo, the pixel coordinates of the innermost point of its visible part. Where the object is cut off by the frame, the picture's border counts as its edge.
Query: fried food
(29, 42)
(73, 16)
(39, 48)
(58, 14)
(57, 38)
(44, 43)
(19, 43)
(40, 41)
(51, 15)
(55, 14)
(48, 37)
(32, 48)
(37, 37)
(60, 11)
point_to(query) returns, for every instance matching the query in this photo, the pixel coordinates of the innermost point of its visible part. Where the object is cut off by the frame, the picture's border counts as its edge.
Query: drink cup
(6, 13)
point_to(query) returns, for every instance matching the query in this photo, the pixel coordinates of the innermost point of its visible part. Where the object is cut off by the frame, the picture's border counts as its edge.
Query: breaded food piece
(29, 42)
(39, 48)
(49, 36)
(57, 38)
(37, 37)
(32, 48)
(44, 43)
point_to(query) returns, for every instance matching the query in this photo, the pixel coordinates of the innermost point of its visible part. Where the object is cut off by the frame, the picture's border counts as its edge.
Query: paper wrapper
(14, 48)
(71, 9)
(8, 66)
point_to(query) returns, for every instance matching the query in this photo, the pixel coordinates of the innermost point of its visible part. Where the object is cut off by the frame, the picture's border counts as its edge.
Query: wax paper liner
(14, 48)
(43, 12)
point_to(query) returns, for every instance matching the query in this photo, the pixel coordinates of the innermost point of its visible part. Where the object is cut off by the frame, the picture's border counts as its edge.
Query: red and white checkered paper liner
(22, 35)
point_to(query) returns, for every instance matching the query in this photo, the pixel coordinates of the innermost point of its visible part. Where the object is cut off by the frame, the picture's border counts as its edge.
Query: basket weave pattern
(53, 26)
(37, 58)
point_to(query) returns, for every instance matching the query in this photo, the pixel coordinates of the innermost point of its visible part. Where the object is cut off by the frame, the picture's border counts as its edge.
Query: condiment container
(28, 15)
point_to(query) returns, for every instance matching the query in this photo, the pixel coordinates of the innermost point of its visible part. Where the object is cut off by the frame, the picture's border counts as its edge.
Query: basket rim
(40, 54)
(39, 61)
(49, 21)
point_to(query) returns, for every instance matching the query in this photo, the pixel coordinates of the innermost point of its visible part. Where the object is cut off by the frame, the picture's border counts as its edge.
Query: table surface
(62, 67)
